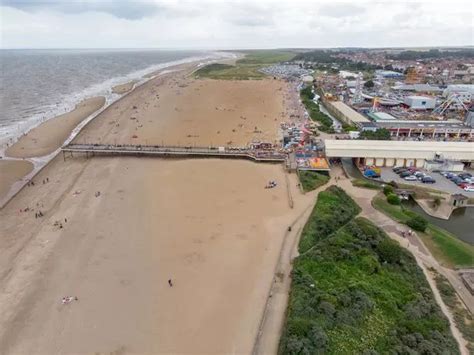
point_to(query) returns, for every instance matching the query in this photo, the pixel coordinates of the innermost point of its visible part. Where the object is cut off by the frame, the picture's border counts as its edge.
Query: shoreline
(40, 162)
(124, 88)
(51, 134)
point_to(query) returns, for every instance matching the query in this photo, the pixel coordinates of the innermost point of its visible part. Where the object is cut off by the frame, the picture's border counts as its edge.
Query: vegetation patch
(325, 122)
(333, 209)
(311, 180)
(246, 68)
(366, 184)
(356, 291)
(462, 317)
(446, 248)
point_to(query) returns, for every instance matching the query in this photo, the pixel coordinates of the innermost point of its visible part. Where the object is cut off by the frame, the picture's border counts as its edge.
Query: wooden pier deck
(270, 156)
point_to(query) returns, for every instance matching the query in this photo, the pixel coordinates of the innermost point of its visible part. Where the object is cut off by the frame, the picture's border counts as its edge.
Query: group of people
(407, 233)
(39, 214)
(271, 184)
(69, 299)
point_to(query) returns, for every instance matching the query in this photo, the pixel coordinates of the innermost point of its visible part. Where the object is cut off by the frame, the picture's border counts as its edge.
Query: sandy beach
(115, 230)
(50, 135)
(12, 171)
(123, 88)
(176, 109)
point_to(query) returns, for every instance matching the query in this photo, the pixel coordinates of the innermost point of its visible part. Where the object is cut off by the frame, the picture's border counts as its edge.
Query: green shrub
(418, 223)
(389, 251)
(393, 199)
(387, 190)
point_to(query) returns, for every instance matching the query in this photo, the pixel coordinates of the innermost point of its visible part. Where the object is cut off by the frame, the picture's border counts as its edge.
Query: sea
(36, 85)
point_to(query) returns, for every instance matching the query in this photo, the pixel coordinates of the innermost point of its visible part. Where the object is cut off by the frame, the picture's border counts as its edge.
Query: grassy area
(356, 291)
(311, 180)
(366, 184)
(444, 246)
(325, 122)
(246, 68)
(462, 317)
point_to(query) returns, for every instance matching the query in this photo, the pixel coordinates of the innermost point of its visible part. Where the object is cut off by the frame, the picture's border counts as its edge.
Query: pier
(263, 155)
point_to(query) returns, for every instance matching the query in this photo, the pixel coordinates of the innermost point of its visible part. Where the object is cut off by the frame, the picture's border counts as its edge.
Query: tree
(436, 202)
(369, 84)
(393, 199)
(381, 134)
(418, 223)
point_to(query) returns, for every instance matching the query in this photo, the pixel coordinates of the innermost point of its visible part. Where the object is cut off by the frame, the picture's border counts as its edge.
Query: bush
(389, 251)
(387, 190)
(418, 223)
(393, 199)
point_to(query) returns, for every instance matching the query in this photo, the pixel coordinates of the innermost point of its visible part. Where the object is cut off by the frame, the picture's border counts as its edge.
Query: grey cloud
(340, 10)
(126, 9)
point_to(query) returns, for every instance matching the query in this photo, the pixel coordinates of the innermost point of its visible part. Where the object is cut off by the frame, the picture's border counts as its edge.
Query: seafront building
(401, 153)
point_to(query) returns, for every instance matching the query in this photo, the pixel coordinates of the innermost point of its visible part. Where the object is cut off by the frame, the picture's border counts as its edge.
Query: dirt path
(414, 244)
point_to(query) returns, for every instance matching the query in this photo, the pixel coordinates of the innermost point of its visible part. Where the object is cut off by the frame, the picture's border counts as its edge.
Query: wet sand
(207, 224)
(12, 171)
(123, 88)
(50, 135)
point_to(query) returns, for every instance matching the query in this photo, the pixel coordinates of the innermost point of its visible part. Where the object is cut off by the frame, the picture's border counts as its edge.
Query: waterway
(460, 224)
(335, 123)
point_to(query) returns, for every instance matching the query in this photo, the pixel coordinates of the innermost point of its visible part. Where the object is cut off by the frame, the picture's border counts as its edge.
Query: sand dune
(50, 135)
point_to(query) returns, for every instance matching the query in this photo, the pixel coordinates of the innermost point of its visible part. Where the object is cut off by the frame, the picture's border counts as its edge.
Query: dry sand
(209, 225)
(123, 88)
(174, 109)
(50, 135)
(12, 171)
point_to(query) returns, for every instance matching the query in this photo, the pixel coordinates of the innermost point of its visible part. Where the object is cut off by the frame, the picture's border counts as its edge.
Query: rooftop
(349, 112)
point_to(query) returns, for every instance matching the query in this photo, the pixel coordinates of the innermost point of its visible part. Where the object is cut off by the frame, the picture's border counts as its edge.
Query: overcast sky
(234, 24)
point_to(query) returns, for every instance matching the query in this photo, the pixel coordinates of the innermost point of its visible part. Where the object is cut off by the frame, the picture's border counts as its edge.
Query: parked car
(397, 169)
(401, 171)
(410, 178)
(465, 175)
(459, 182)
(456, 180)
(405, 174)
(419, 173)
(469, 188)
(464, 184)
(428, 180)
(452, 176)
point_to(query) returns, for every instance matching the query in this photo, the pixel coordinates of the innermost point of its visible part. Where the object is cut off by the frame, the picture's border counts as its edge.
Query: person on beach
(170, 283)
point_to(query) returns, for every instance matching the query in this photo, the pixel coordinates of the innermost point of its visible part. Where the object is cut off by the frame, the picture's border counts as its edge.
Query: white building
(399, 153)
(420, 102)
(457, 89)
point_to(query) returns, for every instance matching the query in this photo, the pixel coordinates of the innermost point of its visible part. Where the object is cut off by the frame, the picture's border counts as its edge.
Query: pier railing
(260, 155)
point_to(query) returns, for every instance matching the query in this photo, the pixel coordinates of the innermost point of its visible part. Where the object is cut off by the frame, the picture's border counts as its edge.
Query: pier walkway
(270, 156)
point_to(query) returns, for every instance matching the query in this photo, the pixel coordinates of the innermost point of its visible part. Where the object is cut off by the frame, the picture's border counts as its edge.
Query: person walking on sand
(170, 283)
